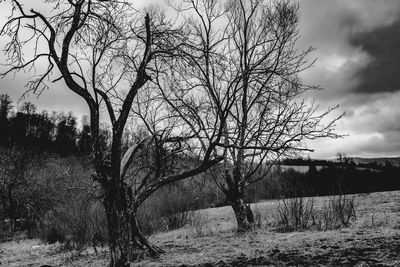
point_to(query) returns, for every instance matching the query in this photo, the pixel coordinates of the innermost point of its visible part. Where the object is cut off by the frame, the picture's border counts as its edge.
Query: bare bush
(6, 230)
(77, 218)
(24, 196)
(295, 213)
(300, 213)
(76, 226)
(338, 212)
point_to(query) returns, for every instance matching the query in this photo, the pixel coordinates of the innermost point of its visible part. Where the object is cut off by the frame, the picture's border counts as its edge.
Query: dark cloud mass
(382, 74)
(358, 51)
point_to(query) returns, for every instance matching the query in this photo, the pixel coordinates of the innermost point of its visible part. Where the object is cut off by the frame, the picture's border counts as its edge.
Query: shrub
(74, 225)
(77, 218)
(338, 212)
(295, 213)
(299, 213)
(6, 230)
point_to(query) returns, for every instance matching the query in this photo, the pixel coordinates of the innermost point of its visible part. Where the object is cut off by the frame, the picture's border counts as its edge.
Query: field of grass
(373, 239)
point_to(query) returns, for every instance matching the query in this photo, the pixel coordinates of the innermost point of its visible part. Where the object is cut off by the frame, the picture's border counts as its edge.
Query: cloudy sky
(358, 65)
(358, 51)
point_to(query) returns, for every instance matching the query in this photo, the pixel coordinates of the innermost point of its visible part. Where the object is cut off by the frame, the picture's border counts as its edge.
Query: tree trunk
(118, 227)
(244, 215)
(234, 194)
(126, 241)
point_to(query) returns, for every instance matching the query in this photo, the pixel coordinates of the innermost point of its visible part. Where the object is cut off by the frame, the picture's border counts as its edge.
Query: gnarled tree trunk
(244, 215)
(126, 241)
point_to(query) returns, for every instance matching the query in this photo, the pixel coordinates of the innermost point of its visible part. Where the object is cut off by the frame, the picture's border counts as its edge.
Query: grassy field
(373, 239)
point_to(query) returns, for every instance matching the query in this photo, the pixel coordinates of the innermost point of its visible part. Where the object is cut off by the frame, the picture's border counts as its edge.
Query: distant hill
(381, 161)
(395, 161)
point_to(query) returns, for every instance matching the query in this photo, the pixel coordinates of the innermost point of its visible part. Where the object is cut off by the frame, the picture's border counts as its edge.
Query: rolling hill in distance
(393, 160)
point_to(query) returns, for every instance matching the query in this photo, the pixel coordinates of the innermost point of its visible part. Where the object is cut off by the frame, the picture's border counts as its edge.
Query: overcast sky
(358, 65)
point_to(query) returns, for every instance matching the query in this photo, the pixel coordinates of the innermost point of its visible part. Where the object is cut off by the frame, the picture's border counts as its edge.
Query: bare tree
(239, 70)
(104, 53)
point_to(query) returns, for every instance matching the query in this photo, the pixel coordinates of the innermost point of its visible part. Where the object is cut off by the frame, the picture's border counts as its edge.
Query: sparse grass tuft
(258, 217)
(198, 221)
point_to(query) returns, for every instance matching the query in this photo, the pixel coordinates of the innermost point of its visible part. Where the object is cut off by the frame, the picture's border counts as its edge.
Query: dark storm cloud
(382, 74)
(355, 43)
(358, 65)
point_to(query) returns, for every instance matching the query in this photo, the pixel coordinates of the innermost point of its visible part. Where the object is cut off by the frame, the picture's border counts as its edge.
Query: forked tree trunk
(126, 241)
(244, 215)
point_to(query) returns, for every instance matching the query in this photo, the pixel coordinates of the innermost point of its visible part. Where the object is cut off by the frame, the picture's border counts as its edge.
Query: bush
(77, 218)
(25, 195)
(6, 230)
(299, 213)
(338, 212)
(75, 225)
(295, 213)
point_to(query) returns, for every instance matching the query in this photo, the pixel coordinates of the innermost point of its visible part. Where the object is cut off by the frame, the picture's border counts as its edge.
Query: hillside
(373, 239)
(394, 161)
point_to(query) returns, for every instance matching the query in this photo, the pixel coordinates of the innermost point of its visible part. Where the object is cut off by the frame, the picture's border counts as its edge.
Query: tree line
(333, 178)
(51, 133)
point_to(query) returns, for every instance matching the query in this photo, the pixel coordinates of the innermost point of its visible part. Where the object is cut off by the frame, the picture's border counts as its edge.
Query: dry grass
(373, 239)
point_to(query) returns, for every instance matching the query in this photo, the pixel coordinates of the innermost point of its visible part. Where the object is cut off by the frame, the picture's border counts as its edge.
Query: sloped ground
(372, 240)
